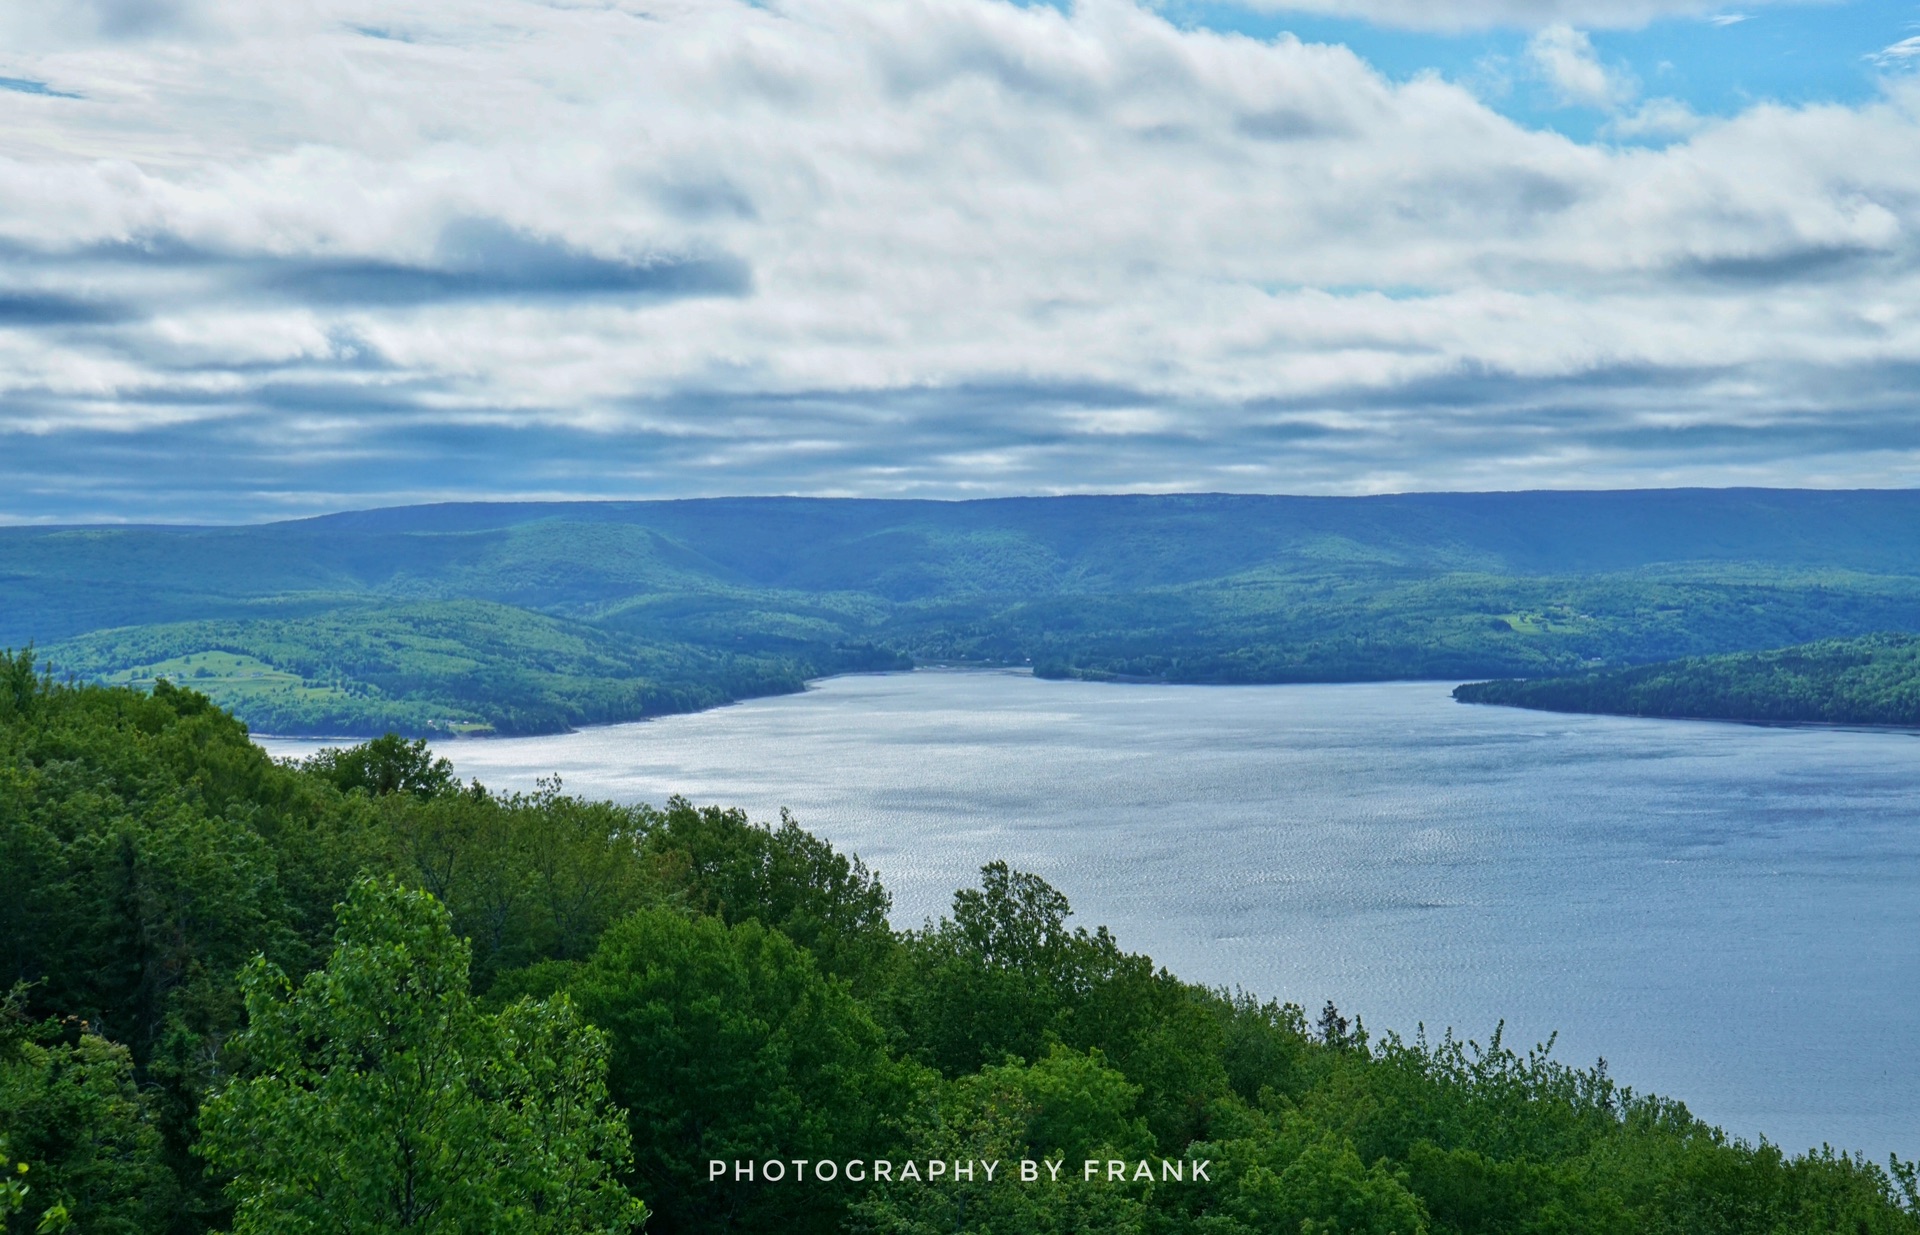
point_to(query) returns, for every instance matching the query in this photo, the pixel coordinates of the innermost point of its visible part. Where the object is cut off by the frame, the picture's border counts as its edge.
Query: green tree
(14, 1189)
(148, 849)
(388, 764)
(377, 1097)
(1275, 1170)
(783, 877)
(1076, 1106)
(1065, 1109)
(1327, 1190)
(71, 1108)
(993, 980)
(1005, 976)
(990, 1123)
(527, 877)
(728, 1043)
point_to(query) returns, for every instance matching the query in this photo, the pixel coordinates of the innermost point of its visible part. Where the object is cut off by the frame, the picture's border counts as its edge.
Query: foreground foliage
(1873, 680)
(375, 1096)
(361, 989)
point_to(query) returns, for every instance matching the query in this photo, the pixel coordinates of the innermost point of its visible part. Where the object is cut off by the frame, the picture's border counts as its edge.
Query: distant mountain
(1874, 680)
(525, 617)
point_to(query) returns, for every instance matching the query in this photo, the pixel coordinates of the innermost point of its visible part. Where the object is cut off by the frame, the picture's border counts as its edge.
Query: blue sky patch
(1718, 64)
(26, 85)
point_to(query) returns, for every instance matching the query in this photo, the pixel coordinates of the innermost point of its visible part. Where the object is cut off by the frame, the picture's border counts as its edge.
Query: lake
(1729, 914)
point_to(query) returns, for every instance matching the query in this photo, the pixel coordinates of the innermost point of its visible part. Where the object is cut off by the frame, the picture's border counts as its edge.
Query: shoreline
(954, 667)
(1842, 726)
(1025, 670)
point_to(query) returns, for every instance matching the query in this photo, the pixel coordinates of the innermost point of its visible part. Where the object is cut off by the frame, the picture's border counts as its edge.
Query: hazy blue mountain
(530, 616)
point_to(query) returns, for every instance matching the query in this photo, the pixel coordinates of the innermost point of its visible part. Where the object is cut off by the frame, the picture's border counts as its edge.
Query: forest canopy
(1874, 680)
(249, 995)
(535, 617)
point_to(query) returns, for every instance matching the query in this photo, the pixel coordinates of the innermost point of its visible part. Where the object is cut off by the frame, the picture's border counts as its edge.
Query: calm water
(1729, 914)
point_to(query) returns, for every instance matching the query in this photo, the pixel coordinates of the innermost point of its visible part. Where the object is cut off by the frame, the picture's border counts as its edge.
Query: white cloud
(1455, 15)
(1566, 60)
(1900, 55)
(1657, 118)
(890, 231)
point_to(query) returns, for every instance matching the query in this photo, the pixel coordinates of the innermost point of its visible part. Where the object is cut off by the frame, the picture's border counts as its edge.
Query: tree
(1335, 1030)
(730, 1044)
(1064, 1109)
(527, 877)
(994, 980)
(989, 1125)
(783, 877)
(71, 1108)
(148, 849)
(377, 1097)
(388, 764)
(1077, 1107)
(20, 687)
(13, 1198)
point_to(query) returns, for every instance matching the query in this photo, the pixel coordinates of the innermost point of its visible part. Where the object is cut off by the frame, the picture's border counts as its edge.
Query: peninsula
(1872, 680)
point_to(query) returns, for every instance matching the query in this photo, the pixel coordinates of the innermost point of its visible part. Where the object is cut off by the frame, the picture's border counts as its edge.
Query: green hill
(1873, 680)
(537, 616)
(451, 667)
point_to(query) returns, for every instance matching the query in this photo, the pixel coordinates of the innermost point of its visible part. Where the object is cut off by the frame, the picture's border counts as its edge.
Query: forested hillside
(358, 995)
(1873, 680)
(535, 617)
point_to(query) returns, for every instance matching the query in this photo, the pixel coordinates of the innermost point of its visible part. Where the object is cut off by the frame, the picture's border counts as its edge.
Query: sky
(267, 260)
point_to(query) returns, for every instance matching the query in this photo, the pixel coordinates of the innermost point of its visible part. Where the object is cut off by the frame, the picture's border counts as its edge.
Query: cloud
(1565, 59)
(930, 247)
(1655, 119)
(475, 259)
(1458, 15)
(35, 308)
(479, 259)
(110, 20)
(1903, 54)
(1788, 265)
